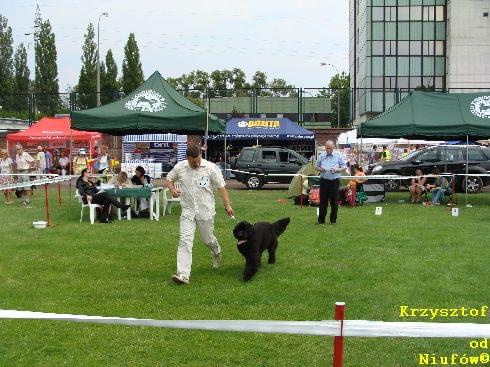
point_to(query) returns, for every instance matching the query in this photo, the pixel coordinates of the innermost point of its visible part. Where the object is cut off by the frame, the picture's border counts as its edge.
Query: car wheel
(254, 182)
(392, 185)
(474, 183)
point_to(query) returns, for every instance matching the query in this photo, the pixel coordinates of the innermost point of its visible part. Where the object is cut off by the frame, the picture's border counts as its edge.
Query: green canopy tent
(155, 107)
(432, 115)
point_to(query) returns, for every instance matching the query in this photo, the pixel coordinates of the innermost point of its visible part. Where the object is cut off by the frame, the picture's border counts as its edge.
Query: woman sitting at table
(417, 187)
(140, 179)
(120, 180)
(90, 192)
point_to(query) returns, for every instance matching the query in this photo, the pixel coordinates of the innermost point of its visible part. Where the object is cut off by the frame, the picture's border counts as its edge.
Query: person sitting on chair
(348, 193)
(439, 188)
(90, 192)
(120, 180)
(140, 179)
(417, 187)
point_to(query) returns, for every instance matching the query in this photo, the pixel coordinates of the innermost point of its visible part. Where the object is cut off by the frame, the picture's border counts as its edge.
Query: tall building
(399, 45)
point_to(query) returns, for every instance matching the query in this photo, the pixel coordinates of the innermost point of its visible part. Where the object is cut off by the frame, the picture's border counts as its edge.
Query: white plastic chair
(89, 205)
(167, 201)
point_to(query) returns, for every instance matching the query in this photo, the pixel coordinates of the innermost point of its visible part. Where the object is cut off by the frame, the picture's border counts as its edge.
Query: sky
(284, 38)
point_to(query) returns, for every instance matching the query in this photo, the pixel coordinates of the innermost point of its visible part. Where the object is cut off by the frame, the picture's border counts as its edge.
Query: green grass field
(411, 255)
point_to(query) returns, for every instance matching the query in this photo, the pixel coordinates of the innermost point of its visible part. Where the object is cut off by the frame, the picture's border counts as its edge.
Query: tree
(6, 74)
(280, 88)
(108, 83)
(218, 83)
(260, 83)
(46, 82)
(87, 81)
(339, 87)
(132, 73)
(21, 80)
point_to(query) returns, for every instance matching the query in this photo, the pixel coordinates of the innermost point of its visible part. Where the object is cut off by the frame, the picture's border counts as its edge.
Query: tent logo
(264, 124)
(146, 101)
(481, 107)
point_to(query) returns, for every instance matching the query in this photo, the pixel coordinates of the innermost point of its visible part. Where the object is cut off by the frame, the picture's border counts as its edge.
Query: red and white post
(338, 341)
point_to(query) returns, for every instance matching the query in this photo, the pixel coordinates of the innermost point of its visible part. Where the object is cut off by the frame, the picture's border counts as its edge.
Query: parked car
(448, 158)
(256, 166)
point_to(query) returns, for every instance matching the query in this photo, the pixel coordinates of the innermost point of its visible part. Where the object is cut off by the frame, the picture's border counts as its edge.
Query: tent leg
(224, 158)
(466, 177)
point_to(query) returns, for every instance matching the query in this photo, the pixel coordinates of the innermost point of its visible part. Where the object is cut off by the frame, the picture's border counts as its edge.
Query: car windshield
(410, 156)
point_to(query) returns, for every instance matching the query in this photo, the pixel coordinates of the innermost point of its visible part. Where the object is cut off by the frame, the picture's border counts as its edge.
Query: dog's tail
(281, 225)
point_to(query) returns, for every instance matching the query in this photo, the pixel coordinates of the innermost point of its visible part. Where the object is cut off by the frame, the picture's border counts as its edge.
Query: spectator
(49, 160)
(351, 188)
(103, 161)
(417, 187)
(386, 154)
(373, 155)
(80, 162)
(439, 188)
(140, 179)
(24, 163)
(120, 180)
(89, 192)
(64, 163)
(40, 160)
(6, 168)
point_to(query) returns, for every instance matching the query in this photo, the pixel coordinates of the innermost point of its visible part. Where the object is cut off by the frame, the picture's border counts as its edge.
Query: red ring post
(59, 193)
(338, 341)
(46, 202)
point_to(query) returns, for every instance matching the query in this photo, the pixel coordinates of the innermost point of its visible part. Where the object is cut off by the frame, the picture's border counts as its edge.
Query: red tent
(50, 129)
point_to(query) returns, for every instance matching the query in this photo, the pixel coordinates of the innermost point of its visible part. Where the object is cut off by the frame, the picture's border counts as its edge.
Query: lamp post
(31, 102)
(338, 91)
(105, 14)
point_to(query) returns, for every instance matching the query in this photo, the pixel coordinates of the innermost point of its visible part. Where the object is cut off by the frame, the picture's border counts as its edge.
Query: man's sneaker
(180, 280)
(216, 260)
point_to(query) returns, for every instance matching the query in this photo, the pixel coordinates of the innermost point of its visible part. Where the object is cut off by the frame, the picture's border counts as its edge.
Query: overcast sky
(284, 38)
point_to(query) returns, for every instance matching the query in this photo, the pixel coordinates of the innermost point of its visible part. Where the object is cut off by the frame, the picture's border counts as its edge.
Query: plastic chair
(168, 201)
(92, 207)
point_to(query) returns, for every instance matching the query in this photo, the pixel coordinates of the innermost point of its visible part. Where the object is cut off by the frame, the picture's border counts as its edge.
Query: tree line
(16, 85)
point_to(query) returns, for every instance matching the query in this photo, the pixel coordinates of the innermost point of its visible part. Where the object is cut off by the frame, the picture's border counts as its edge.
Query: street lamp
(105, 14)
(338, 91)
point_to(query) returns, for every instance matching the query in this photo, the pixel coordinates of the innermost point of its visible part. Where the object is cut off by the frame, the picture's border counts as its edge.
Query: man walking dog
(198, 178)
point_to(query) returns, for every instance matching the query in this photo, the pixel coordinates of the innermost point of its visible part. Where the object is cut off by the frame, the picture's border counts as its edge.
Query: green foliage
(21, 80)
(132, 73)
(6, 63)
(411, 255)
(108, 82)
(87, 81)
(46, 78)
(339, 86)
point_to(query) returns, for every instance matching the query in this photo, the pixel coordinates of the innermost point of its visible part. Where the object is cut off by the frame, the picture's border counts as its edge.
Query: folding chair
(88, 204)
(168, 201)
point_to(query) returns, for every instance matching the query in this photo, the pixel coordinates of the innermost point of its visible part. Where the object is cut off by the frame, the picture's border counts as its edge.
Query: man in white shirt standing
(40, 160)
(198, 178)
(24, 162)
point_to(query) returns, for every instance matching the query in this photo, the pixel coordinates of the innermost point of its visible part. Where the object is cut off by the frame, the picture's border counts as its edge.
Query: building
(398, 45)
(10, 125)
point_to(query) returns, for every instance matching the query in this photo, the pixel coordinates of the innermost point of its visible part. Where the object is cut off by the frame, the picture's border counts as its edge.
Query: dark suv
(257, 166)
(448, 158)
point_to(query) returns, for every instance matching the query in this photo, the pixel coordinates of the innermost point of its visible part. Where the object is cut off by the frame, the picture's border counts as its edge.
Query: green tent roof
(432, 115)
(155, 107)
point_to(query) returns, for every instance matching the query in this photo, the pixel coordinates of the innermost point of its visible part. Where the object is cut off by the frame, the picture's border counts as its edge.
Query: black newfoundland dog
(255, 239)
